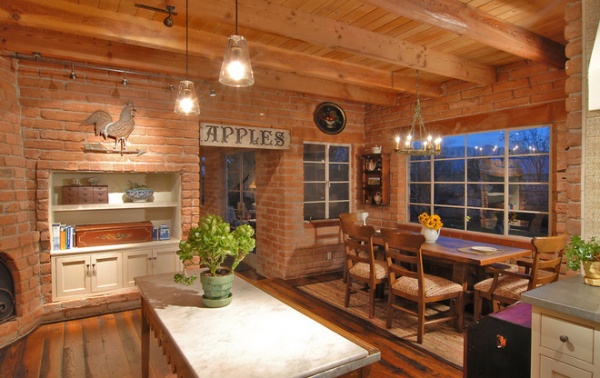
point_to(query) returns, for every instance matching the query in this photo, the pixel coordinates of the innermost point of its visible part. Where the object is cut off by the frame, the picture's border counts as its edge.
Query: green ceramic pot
(217, 289)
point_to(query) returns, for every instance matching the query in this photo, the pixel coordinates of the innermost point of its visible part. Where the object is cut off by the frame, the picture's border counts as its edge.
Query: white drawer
(568, 338)
(553, 368)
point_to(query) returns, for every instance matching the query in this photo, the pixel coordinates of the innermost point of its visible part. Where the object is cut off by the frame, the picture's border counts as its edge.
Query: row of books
(63, 236)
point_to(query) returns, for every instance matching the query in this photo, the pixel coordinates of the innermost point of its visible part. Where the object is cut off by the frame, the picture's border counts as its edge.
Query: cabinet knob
(564, 338)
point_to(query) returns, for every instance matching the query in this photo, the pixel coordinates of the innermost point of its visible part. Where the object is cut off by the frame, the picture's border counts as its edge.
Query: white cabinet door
(555, 369)
(72, 275)
(107, 271)
(165, 260)
(137, 263)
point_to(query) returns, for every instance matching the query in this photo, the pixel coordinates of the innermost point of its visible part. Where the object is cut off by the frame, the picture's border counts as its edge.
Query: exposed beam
(57, 46)
(62, 17)
(272, 18)
(463, 19)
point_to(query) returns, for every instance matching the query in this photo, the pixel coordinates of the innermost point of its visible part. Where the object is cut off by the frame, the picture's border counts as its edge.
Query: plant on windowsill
(585, 256)
(209, 245)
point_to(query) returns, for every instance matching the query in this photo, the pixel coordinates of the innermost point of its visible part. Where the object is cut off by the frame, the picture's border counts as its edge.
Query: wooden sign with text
(244, 137)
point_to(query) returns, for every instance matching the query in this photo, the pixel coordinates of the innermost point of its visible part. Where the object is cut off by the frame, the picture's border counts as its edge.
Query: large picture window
(326, 180)
(493, 182)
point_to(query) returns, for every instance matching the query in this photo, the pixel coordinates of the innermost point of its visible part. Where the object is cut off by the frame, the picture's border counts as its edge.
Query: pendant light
(187, 101)
(236, 70)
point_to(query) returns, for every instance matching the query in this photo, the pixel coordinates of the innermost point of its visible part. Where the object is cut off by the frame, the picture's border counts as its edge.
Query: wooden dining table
(466, 253)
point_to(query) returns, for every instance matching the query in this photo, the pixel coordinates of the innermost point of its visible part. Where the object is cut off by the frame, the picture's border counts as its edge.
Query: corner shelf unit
(375, 179)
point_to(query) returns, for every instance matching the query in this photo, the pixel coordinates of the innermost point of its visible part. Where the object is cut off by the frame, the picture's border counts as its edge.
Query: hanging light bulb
(236, 70)
(73, 75)
(187, 102)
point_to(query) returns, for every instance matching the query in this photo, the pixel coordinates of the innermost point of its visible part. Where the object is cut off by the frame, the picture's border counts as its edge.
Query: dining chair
(363, 270)
(506, 286)
(408, 281)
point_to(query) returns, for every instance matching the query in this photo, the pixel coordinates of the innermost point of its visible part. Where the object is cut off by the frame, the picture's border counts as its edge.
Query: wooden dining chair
(506, 286)
(362, 269)
(408, 281)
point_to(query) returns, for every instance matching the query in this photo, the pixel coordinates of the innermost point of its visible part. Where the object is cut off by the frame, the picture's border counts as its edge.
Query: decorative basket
(139, 195)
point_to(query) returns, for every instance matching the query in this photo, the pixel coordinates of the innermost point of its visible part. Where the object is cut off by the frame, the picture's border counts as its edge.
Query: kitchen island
(565, 329)
(255, 336)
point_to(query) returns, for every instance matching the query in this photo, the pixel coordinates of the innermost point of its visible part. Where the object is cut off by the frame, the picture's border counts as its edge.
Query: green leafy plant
(580, 251)
(135, 185)
(210, 244)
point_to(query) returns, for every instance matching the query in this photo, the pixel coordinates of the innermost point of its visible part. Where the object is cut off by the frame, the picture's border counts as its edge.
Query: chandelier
(418, 142)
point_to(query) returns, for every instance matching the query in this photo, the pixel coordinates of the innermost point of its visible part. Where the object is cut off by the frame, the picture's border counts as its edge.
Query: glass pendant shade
(187, 102)
(236, 70)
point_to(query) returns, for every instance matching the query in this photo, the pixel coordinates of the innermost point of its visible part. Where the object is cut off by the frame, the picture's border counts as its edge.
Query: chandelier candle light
(428, 145)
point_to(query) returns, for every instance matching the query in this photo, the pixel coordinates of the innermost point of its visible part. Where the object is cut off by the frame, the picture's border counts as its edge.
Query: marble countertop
(569, 296)
(255, 336)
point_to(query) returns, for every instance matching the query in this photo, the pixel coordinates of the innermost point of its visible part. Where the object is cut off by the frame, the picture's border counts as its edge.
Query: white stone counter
(255, 336)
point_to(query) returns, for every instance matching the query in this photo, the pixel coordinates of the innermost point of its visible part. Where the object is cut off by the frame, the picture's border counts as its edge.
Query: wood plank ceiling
(360, 50)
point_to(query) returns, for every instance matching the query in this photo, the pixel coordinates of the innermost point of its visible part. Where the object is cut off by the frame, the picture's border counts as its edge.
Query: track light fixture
(187, 102)
(72, 75)
(124, 82)
(236, 70)
(169, 9)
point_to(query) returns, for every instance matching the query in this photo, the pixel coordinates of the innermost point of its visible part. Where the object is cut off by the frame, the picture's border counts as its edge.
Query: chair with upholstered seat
(409, 282)
(506, 286)
(362, 269)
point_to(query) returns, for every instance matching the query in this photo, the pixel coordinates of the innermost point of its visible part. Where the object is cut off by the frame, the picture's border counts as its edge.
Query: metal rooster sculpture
(119, 130)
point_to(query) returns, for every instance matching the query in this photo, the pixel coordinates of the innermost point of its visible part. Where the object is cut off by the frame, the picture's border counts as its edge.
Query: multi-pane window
(326, 180)
(493, 182)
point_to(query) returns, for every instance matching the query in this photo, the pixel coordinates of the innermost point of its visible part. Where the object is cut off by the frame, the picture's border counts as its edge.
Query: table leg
(145, 343)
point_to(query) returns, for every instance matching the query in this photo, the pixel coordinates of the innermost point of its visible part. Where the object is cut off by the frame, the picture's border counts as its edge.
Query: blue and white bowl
(139, 195)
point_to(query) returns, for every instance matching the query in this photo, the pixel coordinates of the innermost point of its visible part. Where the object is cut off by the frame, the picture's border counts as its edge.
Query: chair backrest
(547, 253)
(359, 243)
(347, 219)
(403, 254)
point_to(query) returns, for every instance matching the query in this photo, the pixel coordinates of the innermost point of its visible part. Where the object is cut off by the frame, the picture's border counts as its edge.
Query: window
(492, 182)
(326, 180)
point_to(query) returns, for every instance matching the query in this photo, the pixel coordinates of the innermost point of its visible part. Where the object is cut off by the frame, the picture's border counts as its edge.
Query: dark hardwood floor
(110, 345)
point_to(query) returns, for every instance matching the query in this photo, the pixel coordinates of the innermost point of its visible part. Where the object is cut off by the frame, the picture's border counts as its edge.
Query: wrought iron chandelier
(418, 142)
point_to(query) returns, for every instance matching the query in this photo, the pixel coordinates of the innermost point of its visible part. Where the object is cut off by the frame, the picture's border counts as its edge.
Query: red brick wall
(19, 246)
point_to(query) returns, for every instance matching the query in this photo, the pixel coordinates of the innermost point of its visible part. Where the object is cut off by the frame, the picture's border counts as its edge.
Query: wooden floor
(110, 345)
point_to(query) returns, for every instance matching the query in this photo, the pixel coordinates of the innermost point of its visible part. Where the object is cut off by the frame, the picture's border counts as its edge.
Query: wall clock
(330, 118)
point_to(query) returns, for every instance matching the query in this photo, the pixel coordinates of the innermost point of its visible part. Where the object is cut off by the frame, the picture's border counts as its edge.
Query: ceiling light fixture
(236, 70)
(212, 92)
(124, 82)
(420, 144)
(72, 75)
(187, 102)
(169, 9)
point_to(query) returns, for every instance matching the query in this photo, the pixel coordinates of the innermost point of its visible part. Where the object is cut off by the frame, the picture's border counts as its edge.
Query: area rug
(440, 340)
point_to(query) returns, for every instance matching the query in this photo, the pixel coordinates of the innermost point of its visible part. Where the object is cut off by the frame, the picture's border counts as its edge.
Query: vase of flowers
(432, 225)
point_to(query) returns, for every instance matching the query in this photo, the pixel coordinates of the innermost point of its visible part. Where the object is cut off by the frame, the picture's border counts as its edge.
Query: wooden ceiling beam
(470, 22)
(268, 17)
(61, 17)
(92, 52)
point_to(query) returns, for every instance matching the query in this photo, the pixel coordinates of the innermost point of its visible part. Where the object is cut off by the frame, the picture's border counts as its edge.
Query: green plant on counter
(579, 251)
(210, 244)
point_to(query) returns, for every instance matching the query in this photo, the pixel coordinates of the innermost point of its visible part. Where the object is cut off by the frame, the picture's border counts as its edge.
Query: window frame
(327, 182)
(511, 224)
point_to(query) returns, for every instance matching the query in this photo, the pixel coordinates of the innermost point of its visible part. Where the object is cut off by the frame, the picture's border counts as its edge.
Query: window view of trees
(492, 182)
(326, 180)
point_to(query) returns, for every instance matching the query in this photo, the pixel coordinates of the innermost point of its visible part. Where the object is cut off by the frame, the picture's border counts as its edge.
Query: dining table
(464, 254)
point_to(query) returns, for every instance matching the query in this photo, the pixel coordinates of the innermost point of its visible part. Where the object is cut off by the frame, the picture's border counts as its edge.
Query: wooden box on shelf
(113, 233)
(375, 179)
(87, 194)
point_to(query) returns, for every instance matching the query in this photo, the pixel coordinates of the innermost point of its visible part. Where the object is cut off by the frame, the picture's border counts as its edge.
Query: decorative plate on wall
(330, 118)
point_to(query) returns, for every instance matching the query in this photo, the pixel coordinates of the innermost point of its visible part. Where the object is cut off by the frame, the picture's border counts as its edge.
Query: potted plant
(585, 256)
(210, 245)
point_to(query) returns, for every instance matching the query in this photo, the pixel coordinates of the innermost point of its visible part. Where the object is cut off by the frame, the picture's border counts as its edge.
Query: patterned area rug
(440, 340)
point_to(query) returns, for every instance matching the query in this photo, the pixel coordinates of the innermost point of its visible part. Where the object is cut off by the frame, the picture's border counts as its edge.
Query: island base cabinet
(554, 369)
(82, 274)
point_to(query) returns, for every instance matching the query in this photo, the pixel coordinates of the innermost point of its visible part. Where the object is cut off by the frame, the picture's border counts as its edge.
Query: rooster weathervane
(118, 130)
